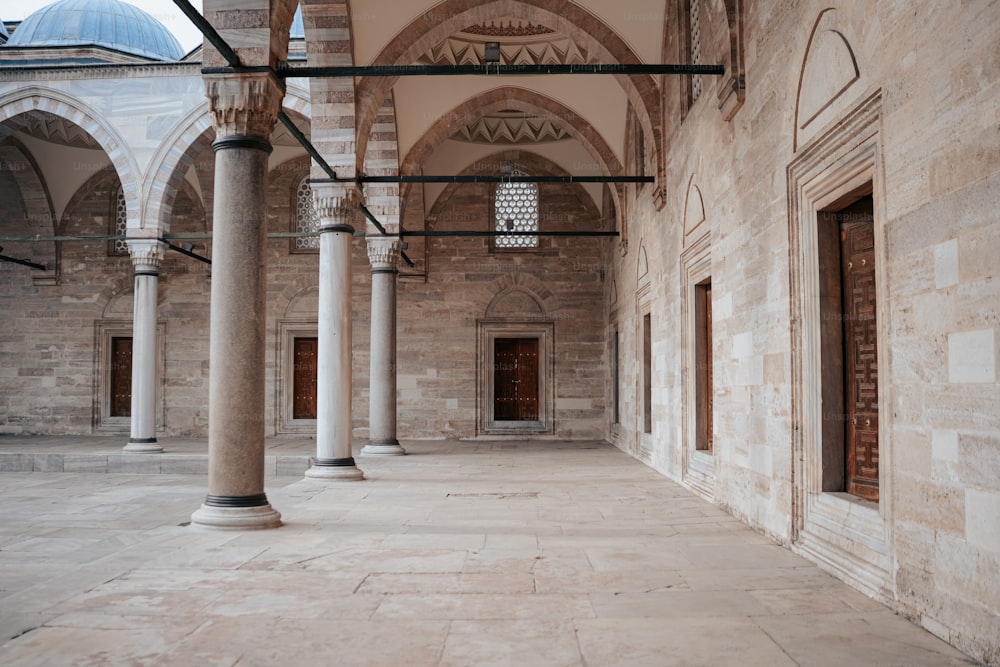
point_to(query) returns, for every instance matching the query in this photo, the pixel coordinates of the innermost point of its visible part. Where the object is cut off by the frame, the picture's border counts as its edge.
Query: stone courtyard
(486, 553)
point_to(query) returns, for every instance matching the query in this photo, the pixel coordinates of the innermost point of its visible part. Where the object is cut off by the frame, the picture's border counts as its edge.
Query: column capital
(383, 253)
(244, 105)
(147, 253)
(336, 205)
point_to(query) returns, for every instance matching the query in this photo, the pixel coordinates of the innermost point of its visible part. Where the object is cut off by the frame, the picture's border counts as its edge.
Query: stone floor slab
(513, 553)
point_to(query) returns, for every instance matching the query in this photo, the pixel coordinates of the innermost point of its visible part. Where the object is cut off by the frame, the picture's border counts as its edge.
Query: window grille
(306, 219)
(516, 210)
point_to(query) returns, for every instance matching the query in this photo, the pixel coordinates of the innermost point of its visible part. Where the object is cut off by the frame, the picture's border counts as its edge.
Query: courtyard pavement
(458, 554)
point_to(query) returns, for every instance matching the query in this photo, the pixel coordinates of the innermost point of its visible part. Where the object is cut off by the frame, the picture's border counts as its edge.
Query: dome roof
(110, 23)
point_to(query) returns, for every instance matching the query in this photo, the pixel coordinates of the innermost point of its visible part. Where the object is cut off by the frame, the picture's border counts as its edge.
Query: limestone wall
(928, 75)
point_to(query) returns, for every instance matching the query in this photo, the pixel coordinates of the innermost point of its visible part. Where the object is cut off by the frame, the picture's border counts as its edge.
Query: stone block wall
(933, 71)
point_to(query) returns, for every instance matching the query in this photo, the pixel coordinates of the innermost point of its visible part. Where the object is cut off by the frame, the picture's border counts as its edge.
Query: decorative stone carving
(244, 105)
(383, 252)
(336, 204)
(146, 252)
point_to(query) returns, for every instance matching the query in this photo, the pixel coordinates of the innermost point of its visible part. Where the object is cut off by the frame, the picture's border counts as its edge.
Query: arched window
(516, 210)
(306, 219)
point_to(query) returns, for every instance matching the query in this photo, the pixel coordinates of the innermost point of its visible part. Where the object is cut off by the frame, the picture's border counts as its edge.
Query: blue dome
(110, 23)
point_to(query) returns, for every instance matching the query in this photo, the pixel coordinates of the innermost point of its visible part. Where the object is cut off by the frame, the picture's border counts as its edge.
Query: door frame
(489, 331)
(852, 537)
(104, 331)
(288, 331)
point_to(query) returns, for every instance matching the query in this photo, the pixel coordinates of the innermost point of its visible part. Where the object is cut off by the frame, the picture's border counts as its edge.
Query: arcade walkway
(467, 554)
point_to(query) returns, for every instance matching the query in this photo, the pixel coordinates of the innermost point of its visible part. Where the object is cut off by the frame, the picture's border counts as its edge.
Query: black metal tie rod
(466, 232)
(22, 262)
(362, 178)
(488, 68)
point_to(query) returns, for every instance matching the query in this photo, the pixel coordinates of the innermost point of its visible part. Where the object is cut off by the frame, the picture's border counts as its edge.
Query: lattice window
(306, 219)
(120, 228)
(516, 210)
(695, 48)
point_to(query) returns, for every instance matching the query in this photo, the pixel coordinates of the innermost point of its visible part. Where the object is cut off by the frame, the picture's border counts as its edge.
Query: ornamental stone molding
(244, 105)
(383, 252)
(146, 252)
(336, 204)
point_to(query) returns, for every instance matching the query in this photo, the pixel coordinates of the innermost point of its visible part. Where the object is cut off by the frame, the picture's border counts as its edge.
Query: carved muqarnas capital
(146, 253)
(336, 204)
(244, 105)
(383, 252)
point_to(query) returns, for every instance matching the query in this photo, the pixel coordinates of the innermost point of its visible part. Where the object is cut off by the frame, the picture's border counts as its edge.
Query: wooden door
(703, 350)
(857, 237)
(304, 378)
(121, 376)
(515, 379)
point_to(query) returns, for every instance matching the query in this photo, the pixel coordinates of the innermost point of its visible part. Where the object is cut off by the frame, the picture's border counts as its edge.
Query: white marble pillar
(337, 208)
(383, 253)
(244, 108)
(147, 256)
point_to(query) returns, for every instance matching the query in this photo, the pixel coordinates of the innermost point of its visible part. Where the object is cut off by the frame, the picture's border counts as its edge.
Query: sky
(164, 11)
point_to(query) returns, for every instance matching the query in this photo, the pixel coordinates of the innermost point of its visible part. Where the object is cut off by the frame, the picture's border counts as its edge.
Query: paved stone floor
(458, 554)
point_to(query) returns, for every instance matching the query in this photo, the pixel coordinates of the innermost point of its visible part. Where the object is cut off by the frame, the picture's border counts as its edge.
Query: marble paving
(458, 554)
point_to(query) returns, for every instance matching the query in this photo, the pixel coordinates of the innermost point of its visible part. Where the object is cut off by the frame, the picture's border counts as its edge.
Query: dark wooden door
(121, 376)
(857, 237)
(708, 392)
(515, 379)
(304, 378)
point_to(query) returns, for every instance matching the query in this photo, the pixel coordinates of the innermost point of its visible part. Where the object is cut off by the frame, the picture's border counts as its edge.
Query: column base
(236, 518)
(143, 445)
(340, 469)
(390, 448)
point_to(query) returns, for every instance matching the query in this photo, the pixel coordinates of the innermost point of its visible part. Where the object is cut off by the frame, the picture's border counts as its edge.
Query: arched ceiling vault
(540, 31)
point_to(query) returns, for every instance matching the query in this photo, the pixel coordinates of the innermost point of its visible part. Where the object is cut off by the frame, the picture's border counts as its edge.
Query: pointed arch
(35, 98)
(454, 15)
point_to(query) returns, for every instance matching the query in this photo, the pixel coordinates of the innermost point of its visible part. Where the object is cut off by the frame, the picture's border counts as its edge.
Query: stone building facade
(797, 318)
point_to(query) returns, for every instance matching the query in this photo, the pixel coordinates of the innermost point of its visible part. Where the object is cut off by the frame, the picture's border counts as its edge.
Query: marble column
(337, 208)
(147, 255)
(244, 109)
(383, 253)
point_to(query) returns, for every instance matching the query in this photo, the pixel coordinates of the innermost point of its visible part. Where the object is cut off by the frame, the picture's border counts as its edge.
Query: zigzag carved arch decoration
(452, 16)
(522, 100)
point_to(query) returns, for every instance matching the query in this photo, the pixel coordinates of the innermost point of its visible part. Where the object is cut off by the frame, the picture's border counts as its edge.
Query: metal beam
(208, 30)
(362, 178)
(185, 251)
(493, 69)
(466, 232)
(22, 262)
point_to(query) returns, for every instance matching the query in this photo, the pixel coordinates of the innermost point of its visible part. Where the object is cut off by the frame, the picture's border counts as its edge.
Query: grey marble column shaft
(236, 429)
